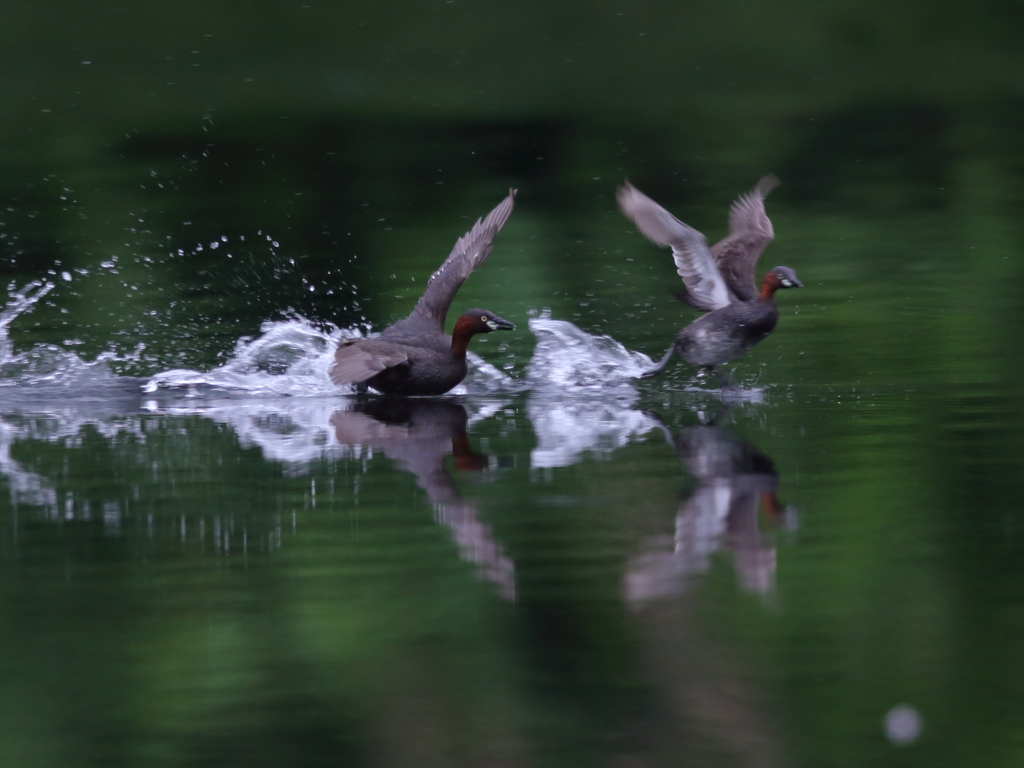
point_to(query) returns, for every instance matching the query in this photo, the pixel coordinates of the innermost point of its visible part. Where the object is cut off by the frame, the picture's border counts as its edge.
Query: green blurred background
(336, 151)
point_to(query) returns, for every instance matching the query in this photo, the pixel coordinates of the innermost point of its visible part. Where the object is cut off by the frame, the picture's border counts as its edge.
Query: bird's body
(718, 280)
(414, 356)
(724, 334)
(416, 365)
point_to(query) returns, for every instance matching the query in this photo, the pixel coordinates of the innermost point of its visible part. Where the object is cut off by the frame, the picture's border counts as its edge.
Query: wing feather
(358, 360)
(750, 231)
(470, 251)
(705, 288)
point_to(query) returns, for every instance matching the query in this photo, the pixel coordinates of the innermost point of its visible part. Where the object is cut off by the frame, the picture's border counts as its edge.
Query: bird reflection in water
(734, 479)
(418, 434)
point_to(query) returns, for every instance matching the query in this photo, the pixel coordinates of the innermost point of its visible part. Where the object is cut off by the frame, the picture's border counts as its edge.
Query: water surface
(210, 556)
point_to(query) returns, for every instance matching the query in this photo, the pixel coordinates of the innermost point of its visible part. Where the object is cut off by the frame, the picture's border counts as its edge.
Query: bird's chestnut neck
(770, 283)
(465, 329)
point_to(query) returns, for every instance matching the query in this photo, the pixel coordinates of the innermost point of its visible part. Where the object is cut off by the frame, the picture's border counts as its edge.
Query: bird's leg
(723, 379)
(660, 366)
(728, 390)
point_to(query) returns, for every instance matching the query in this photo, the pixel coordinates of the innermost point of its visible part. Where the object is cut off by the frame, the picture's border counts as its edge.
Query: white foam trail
(582, 393)
(294, 357)
(43, 364)
(571, 361)
(290, 357)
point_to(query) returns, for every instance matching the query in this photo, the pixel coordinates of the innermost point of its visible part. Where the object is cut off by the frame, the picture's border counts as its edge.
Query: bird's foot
(660, 366)
(724, 381)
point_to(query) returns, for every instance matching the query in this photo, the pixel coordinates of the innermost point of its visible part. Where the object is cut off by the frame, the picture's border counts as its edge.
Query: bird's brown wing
(470, 251)
(360, 359)
(750, 231)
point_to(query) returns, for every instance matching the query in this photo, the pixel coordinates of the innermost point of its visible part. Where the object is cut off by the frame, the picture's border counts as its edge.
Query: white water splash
(484, 378)
(570, 361)
(582, 393)
(290, 357)
(44, 364)
(20, 301)
(294, 357)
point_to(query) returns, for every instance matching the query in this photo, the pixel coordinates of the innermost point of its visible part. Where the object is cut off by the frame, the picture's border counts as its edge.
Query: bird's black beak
(498, 324)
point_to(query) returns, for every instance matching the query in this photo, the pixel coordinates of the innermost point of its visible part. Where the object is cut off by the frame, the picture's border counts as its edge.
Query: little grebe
(414, 356)
(719, 280)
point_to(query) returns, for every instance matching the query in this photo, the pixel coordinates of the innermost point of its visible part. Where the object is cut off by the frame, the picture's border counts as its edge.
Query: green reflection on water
(181, 600)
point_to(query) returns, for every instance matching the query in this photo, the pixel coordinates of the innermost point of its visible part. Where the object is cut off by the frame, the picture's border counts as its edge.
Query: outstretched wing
(750, 230)
(469, 252)
(705, 288)
(360, 359)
